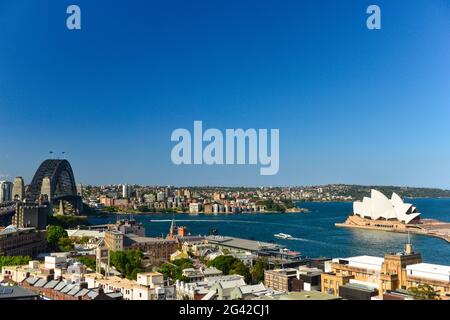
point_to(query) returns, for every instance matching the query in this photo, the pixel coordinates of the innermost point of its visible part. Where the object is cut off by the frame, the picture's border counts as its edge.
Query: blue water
(315, 231)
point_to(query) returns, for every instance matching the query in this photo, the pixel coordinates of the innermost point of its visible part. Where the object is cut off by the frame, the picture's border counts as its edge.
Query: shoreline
(288, 211)
(429, 227)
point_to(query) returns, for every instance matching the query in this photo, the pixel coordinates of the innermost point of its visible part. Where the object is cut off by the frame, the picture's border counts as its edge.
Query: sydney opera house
(378, 212)
(378, 206)
(381, 213)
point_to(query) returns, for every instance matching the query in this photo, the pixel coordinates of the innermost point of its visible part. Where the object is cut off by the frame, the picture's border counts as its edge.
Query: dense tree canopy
(88, 262)
(128, 263)
(175, 269)
(14, 260)
(67, 222)
(54, 233)
(257, 271)
(423, 292)
(231, 265)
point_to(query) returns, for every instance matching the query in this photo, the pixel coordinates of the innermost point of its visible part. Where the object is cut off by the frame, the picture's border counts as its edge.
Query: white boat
(282, 236)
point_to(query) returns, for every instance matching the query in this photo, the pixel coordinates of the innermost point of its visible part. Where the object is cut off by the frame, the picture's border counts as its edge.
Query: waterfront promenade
(426, 227)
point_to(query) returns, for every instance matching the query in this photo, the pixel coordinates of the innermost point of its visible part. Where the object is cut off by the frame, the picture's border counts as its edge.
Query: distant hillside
(358, 192)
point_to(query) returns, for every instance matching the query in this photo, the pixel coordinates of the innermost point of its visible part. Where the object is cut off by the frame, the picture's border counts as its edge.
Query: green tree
(65, 244)
(54, 233)
(241, 269)
(183, 263)
(84, 240)
(14, 260)
(223, 263)
(88, 262)
(175, 269)
(128, 263)
(423, 292)
(257, 271)
(67, 222)
(231, 265)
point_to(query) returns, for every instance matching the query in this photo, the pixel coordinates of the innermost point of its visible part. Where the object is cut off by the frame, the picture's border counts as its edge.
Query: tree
(257, 271)
(231, 265)
(14, 260)
(223, 263)
(67, 222)
(88, 262)
(175, 269)
(65, 244)
(423, 292)
(183, 263)
(54, 233)
(84, 240)
(241, 269)
(128, 263)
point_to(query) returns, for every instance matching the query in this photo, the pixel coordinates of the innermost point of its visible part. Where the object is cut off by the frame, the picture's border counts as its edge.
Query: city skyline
(353, 105)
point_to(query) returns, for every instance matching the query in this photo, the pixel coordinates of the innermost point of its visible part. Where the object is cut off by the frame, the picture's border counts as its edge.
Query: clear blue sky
(352, 105)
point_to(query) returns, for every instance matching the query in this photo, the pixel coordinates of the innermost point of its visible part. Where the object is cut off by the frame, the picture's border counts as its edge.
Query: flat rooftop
(428, 270)
(130, 238)
(365, 262)
(85, 233)
(303, 295)
(244, 244)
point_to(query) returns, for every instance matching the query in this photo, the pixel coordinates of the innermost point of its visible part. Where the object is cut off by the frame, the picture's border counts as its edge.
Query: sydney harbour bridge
(53, 186)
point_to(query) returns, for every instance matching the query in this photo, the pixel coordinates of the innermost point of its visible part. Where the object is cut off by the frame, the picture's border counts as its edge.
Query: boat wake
(311, 241)
(207, 220)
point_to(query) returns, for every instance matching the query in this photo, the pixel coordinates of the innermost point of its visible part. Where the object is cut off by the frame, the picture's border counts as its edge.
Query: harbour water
(314, 232)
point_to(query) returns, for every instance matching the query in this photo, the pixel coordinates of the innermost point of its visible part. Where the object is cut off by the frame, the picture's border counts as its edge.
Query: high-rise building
(126, 191)
(31, 215)
(6, 190)
(18, 189)
(80, 189)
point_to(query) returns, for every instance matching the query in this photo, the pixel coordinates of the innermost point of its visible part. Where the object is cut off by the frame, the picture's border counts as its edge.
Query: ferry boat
(283, 236)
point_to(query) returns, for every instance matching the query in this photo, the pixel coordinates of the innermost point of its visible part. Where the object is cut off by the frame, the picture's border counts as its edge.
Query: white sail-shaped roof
(378, 206)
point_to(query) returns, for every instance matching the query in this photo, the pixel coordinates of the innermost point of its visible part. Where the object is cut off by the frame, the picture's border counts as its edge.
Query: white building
(429, 271)
(126, 191)
(199, 290)
(195, 207)
(149, 286)
(55, 262)
(363, 262)
(378, 206)
(195, 275)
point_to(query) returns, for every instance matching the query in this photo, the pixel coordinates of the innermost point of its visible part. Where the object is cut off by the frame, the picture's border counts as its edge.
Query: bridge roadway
(7, 207)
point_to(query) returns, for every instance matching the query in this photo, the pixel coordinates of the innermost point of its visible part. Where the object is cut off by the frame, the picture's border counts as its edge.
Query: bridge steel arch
(62, 183)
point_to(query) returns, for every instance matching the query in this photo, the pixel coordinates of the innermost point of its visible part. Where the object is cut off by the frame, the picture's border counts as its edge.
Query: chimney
(409, 248)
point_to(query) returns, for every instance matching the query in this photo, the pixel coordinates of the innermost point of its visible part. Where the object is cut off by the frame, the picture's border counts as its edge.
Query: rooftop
(131, 238)
(12, 229)
(85, 233)
(366, 262)
(430, 271)
(303, 295)
(239, 243)
(16, 293)
(247, 289)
